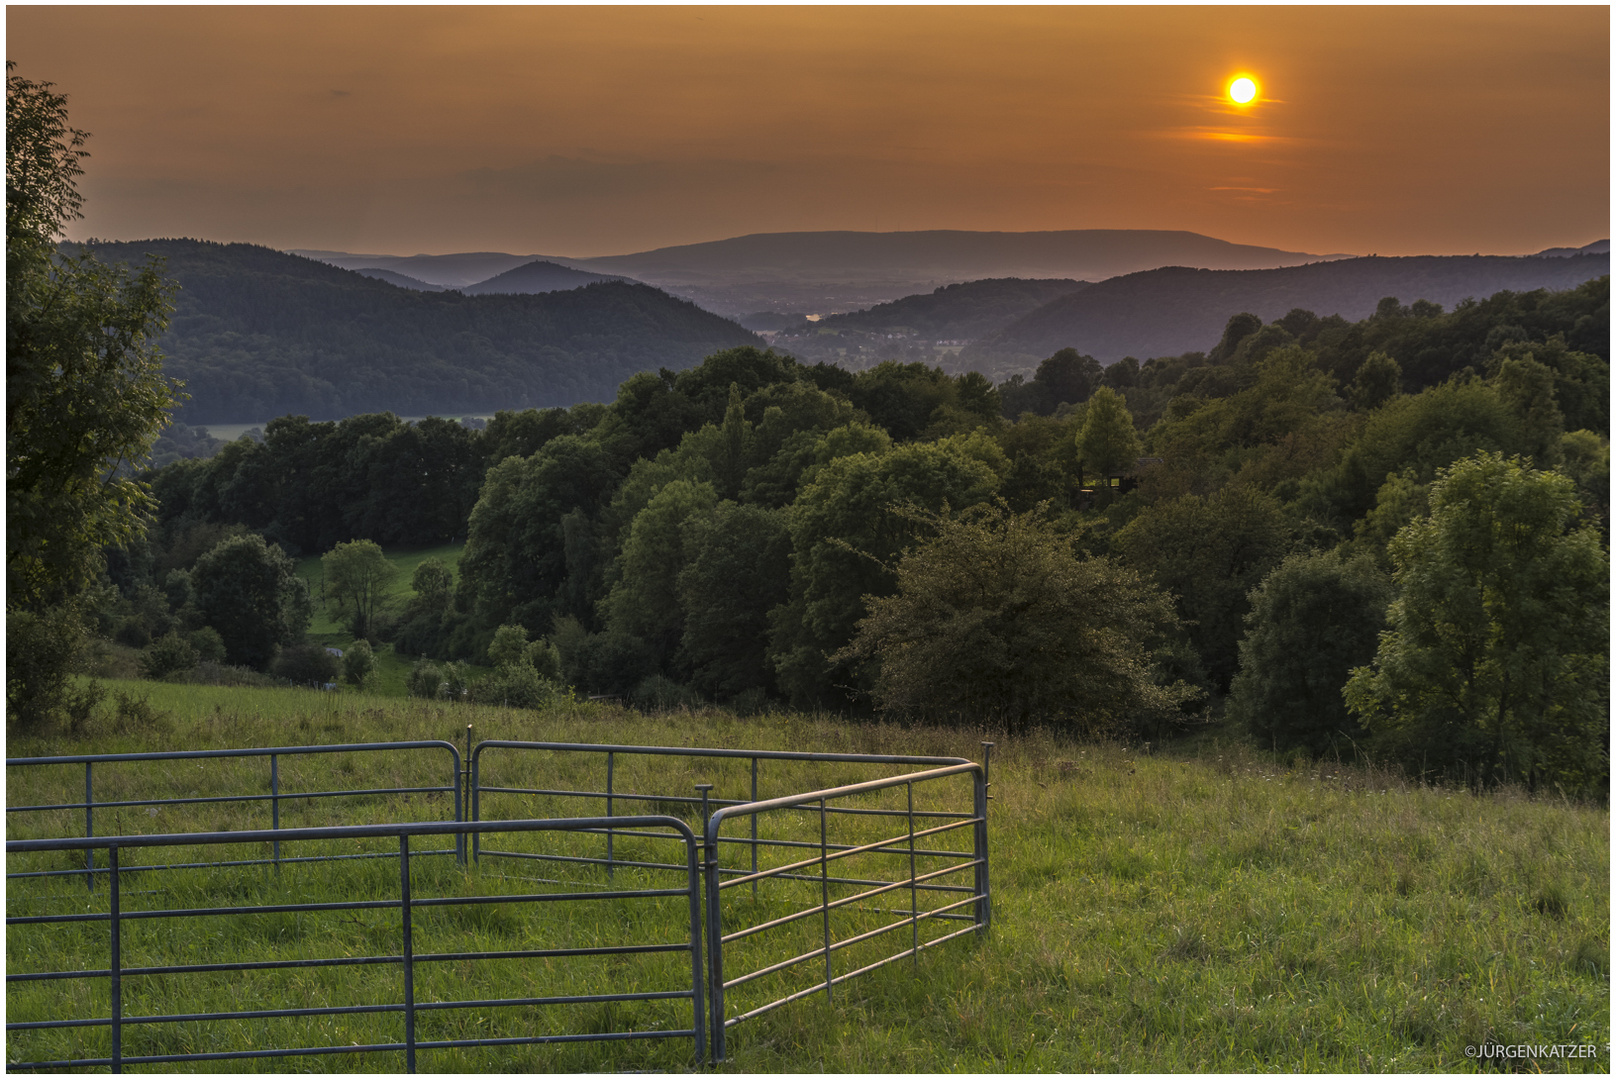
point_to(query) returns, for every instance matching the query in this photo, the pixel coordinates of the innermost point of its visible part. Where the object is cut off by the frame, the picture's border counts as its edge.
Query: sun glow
(1243, 90)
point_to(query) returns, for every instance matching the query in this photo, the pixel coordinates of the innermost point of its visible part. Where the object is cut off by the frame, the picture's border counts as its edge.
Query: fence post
(462, 797)
(698, 970)
(476, 798)
(409, 951)
(610, 834)
(117, 961)
(824, 893)
(715, 944)
(984, 903)
(89, 830)
(914, 899)
(275, 803)
(754, 827)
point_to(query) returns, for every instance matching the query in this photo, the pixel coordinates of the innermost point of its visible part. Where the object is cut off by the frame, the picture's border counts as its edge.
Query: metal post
(610, 834)
(914, 900)
(754, 829)
(824, 893)
(275, 803)
(463, 799)
(984, 903)
(698, 1009)
(715, 946)
(409, 951)
(117, 962)
(89, 831)
(705, 790)
(475, 795)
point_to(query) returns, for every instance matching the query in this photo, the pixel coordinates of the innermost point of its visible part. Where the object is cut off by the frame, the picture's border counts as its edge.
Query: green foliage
(1107, 443)
(169, 654)
(1496, 656)
(424, 679)
(85, 398)
(357, 579)
(1379, 379)
(250, 593)
(738, 568)
(845, 532)
(996, 620)
(306, 665)
(1313, 619)
(358, 663)
(1210, 552)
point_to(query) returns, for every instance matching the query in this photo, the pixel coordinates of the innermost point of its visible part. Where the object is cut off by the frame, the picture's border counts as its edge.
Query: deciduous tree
(1496, 656)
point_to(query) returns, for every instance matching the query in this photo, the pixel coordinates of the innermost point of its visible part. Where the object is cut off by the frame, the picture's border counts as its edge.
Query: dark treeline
(758, 529)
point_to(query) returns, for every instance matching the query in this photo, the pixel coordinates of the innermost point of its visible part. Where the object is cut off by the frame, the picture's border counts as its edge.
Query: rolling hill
(1175, 309)
(537, 277)
(258, 333)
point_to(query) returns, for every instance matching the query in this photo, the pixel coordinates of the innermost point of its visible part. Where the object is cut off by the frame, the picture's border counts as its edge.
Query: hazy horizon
(584, 132)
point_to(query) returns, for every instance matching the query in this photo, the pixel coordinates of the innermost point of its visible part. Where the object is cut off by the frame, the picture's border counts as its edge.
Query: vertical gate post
(754, 818)
(715, 943)
(409, 951)
(610, 833)
(89, 830)
(984, 903)
(824, 893)
(914, 899)
(462, 796)
(117, 961)
(275, 803)
(697, 968)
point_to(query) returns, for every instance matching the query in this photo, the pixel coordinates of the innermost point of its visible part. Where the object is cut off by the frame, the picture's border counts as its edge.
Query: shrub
(168, 654)
(306, 665)
(424, 679)
(358, 663)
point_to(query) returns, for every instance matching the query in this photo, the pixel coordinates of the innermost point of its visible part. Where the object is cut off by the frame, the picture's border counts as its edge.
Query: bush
(516, 686)
(208, 644)
(998, 620)
(424, 679)
(658, 693)
(358, 663)
(168, 654)
(306, 665)
(1312, 620)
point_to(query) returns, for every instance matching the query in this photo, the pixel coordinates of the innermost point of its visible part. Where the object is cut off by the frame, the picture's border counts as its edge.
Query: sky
(579, 131)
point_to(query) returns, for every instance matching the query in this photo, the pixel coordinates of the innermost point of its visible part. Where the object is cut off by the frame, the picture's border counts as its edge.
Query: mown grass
(1192, 908)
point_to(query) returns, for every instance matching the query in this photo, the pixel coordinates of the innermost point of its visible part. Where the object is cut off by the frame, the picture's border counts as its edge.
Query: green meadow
(1197, 906)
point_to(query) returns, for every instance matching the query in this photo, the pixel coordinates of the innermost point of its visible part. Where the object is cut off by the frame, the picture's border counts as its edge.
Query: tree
(1107, 443)
(738, 568)
(85, 394)
(357, 576)
(85, 391)
(1495, 659)
(250, 593)
(358, 663)
(1211, 552)
(1312, 620)
(996, 619)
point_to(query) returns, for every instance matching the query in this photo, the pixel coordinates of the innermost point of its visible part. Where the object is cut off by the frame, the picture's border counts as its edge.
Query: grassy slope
(327, 629)
(1192, 908)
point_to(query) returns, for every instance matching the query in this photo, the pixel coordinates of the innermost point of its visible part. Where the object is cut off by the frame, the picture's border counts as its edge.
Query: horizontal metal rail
(407, 958)
(275, 796)
(916, 881)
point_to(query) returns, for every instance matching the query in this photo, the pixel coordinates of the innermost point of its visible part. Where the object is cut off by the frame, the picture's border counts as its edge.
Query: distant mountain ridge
(842, 270)
(1172, 310)
(539, 276)
(258, 333)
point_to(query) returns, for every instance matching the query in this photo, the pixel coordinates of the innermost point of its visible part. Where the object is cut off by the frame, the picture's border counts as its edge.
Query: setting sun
(1243, 90)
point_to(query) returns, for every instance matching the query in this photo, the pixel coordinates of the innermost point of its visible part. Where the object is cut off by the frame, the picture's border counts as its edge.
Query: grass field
(1195, 907)
(326, 629)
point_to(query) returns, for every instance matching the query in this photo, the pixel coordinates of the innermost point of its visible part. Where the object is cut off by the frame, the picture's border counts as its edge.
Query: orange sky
(601, 130)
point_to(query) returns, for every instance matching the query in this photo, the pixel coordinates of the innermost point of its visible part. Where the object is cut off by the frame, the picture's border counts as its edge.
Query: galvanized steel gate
(781, 926)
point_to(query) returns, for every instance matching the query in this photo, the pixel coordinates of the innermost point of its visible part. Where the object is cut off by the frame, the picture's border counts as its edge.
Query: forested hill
(1175, 309)
(258, 333)
(968, 310)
